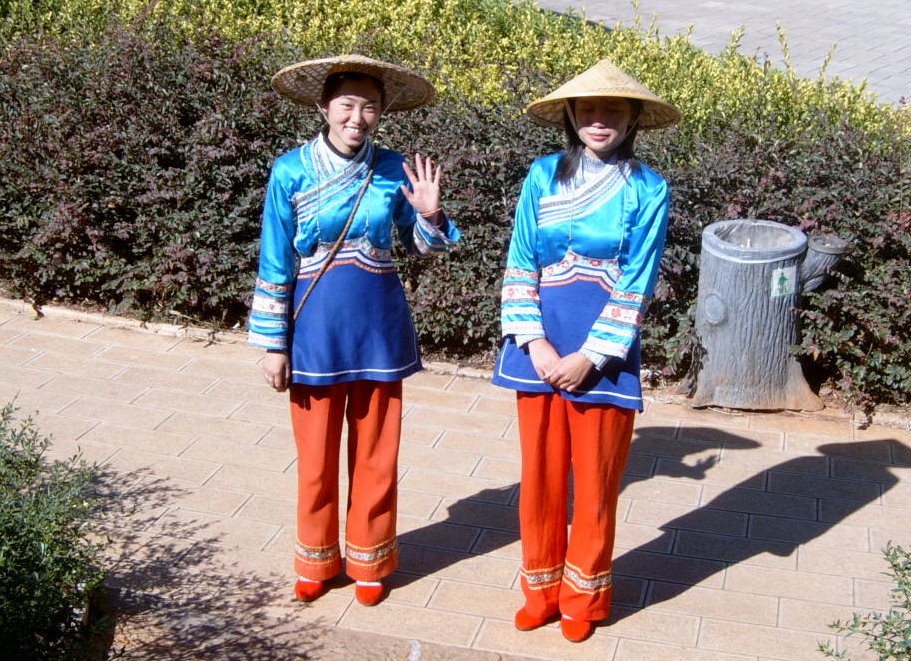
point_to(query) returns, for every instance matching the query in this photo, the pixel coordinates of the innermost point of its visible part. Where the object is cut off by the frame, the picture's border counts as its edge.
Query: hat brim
(605, 79)
(303, 82)
(655, 114)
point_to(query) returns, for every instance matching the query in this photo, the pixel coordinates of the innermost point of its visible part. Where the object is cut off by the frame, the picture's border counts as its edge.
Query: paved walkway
(869, 40)
(741, 535)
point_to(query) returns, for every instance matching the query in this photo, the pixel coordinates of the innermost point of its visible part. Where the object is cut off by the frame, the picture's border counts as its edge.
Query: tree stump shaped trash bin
(752, 274)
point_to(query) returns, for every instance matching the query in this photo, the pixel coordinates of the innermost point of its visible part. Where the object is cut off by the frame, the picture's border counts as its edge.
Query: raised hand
(424, 194)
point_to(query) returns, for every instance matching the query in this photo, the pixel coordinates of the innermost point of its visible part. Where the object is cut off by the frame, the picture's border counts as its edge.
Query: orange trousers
(570, 573)
(373, 411)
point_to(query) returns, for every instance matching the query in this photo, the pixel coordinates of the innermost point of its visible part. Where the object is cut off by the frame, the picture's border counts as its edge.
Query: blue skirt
(568, 313)
(356, 325)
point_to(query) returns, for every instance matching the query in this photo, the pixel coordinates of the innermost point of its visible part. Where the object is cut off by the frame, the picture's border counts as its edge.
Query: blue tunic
(356, 323)
(582, 264)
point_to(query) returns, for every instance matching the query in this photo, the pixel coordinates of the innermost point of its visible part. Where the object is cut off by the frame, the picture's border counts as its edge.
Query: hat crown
(603, 79)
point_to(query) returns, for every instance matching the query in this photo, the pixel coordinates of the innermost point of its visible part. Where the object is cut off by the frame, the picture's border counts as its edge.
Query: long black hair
(569, 161)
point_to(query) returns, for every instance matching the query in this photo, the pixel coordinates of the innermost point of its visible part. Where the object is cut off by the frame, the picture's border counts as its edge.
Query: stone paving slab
(741, 535)
(862, 41)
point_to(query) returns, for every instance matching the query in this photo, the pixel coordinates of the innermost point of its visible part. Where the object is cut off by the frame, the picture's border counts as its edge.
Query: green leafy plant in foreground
(887, 635)
(48, 569)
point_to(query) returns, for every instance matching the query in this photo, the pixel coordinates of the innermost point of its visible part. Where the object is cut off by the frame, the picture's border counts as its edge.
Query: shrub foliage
(133, 173)
(47, 566)
(481, 49)
(138, 138)
(887, 635)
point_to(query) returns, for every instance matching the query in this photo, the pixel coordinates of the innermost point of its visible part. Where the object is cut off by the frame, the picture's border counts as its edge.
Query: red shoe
(576, 631)
(309, 590)
(526, 622)
(369, 594)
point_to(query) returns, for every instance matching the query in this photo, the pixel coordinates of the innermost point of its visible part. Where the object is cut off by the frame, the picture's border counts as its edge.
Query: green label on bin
(784, 281)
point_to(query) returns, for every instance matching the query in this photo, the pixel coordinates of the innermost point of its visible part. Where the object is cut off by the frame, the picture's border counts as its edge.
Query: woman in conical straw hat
(330, 310)
(583, 260)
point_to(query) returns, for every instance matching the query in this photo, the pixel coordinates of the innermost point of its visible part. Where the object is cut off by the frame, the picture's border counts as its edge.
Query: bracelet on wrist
(430, 214)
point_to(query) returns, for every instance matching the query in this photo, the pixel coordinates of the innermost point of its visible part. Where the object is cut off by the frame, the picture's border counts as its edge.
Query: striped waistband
(357, 252)
(575, 267)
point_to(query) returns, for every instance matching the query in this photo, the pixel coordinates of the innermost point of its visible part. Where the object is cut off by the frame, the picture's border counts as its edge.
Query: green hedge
(482, 50)
(133, 164)
(829, 179)
(133, 173)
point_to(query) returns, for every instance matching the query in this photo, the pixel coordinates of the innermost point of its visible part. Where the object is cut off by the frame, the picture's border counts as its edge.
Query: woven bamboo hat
(605, 79)
(303, 82)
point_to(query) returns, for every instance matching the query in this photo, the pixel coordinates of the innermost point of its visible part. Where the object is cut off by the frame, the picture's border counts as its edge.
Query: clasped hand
(562, 372)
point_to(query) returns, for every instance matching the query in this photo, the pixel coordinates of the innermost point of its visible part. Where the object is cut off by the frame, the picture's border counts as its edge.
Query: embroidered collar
(324, 134)
(334, 177)
(329, 160)
(591, 168)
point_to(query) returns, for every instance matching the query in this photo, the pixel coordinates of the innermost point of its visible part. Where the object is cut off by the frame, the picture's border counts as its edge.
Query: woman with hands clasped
(583, 260)
(330, 310)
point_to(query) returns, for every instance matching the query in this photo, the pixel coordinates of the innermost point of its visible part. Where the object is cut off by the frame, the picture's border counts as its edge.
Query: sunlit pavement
(742, 535)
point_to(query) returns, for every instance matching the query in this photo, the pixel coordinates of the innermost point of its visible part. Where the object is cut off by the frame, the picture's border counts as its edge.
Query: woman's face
(603, 123)
(353, 113)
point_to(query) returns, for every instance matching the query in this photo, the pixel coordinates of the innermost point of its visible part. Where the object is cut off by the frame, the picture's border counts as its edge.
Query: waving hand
(424, 194)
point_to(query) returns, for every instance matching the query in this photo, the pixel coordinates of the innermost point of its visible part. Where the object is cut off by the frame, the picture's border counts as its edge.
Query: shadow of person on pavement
(773, 512)
(488, 521)
(662, 452)
(477, 525)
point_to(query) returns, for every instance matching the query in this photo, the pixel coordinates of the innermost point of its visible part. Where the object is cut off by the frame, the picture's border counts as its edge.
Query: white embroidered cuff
(598, 360)
(522, 340)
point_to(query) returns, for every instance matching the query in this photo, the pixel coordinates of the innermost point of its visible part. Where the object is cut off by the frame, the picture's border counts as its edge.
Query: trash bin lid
(753, 240)
(828, 244)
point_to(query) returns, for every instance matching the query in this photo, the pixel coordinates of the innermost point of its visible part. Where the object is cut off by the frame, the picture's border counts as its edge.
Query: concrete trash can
(752, 274)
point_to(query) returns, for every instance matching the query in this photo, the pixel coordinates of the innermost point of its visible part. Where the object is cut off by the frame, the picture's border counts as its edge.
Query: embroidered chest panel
(579, 201)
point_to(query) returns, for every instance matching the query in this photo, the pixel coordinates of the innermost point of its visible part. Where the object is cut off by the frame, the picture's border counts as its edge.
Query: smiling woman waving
(330, 310)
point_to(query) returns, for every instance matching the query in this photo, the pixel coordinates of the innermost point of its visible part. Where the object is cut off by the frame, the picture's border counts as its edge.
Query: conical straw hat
(303, 82)
(605, 79)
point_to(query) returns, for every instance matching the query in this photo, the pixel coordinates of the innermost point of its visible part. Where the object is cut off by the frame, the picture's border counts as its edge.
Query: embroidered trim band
(538, 579)
(587, 583)
(317, 555)
(370, 555)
